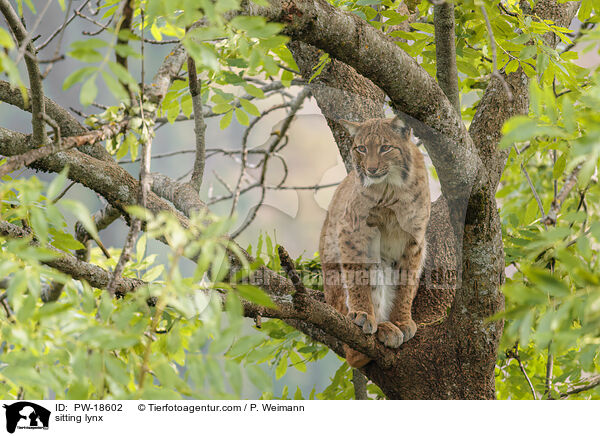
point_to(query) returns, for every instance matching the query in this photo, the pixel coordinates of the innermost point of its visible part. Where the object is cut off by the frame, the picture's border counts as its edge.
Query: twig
(62, 194)
(16, 162)
(533, 190)
(495, 73)
(102, 27)
(145, 183)
(274, 141)
(57, 56)
(57, 138)
(592, 382)
(514, 353)
(125, 24)
(549, 370)
(102, 219)
(570, 182)
(506, 11)
(25, 44)
(288, 265)
(155, 42)
(9, 313)
(61, 28)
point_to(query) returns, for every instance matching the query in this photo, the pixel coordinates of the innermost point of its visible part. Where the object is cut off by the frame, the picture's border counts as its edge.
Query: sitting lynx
(373, 240)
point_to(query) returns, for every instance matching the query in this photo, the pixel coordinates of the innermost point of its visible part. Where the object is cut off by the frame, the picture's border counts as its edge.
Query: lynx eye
(361, 149)
(385, 148)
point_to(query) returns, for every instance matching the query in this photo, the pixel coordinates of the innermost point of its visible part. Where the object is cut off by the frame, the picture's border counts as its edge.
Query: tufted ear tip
(400, 126)
(350, 126)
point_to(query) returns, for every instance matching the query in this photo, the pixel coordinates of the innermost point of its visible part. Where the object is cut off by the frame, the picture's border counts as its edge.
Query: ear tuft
(398, 123)
(350, 126)
(400, 126)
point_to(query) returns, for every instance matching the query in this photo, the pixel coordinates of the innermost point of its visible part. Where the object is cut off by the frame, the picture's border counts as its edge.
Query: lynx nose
(372, 171)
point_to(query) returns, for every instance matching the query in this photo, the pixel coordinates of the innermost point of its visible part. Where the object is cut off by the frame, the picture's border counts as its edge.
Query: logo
(26, 415)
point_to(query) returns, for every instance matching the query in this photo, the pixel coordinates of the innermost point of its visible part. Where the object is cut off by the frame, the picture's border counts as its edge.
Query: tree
(102, 322)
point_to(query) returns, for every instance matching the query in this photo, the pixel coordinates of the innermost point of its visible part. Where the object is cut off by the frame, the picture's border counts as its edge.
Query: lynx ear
(350, 126)
(400, 126)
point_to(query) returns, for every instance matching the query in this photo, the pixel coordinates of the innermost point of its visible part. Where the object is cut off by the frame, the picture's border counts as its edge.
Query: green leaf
(258, 377)
(115, 87)
(39, 224)
(512, 66)
(242, 117)
(245, 344)
(525, 328)
(65, 241)
(254, 91)
(89, 91)
(77, 76)
(559, 166)
(255, 295)
(187, 105)
(249, 107)
(585, 10)
(281, 368)
(124, 76)
(528, 52)
(5, 39)
(547, 282)
(57, 185)
(82, 214)
(221, 108)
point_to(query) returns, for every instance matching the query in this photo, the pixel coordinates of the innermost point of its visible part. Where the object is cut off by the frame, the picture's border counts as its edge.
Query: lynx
(372, 242)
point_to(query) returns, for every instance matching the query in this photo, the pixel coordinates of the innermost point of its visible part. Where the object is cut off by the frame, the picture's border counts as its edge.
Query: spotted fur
(373, 240)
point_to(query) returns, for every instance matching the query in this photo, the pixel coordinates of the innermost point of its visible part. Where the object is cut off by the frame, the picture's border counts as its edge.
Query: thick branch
(341, 93)
(495, 107)
(68, 264)
(445, 51)
(69, 126)
(411, 89)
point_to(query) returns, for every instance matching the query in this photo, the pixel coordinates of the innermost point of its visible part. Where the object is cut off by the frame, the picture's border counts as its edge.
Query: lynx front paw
(364, 320)
(390, 335)
(408, 328)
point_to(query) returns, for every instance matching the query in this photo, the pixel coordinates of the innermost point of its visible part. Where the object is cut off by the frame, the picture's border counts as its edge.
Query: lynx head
(381, 150)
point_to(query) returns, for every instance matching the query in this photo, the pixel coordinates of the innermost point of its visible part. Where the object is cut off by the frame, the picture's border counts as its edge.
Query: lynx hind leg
(410, 271)
(355, 358)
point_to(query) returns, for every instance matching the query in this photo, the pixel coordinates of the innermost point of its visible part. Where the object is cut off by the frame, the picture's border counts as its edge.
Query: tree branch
(35, 80)
(590, 383)
(495, 108)
(199, 126)
(68, 264)
(16, 162)
(340, 92)
(570, 182)
(69, 126)
(411, 89)
(445, 51)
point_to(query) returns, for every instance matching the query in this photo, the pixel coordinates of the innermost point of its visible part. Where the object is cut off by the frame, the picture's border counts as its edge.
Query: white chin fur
(368, 181)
